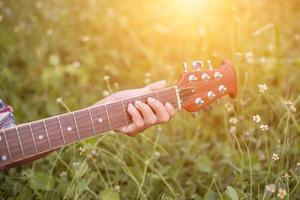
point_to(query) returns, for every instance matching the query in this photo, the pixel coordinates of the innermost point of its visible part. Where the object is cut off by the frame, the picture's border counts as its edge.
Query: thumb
(157, 85)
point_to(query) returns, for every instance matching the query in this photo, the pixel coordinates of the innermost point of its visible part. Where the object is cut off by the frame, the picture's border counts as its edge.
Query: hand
(143, 115)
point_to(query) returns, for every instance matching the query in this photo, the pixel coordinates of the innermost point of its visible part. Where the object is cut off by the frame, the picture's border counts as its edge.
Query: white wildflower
(229, 107)
(275, 156)
(264, 127)
(59, 100)
(63, 173)
(281, 193)
(106, 78)
(156, 154)
(117, 188)
(105, 93)
(249, 57)
(290, 106)
(256, 118)
(271, 188)
(262, 88)
(233, 120)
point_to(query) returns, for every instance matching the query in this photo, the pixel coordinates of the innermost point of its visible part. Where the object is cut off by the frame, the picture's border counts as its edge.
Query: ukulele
(195, 91)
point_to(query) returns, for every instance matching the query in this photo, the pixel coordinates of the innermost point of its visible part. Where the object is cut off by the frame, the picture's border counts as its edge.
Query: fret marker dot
(100, 120)
(3, 157)
(69, 128)
(40, 137)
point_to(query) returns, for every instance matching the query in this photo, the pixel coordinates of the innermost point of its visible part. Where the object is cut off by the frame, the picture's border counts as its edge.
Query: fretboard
(41, 136)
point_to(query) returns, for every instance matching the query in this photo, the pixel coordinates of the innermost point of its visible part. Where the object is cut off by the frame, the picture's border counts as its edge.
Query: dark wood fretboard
(41, 136)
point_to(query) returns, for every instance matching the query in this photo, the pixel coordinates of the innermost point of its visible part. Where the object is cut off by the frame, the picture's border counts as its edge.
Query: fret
(62, 132)
(18, 134)
(13, 144)
(125, 103)
(33, 138)
(93, 125)
(84, 123)
(116, 117)
(55, 133)
(146, 96)
(108, 117)
(156, 92)
(99, 119)
(47, 133)
(39, 135)
(124, 111)
(178, 98)
(69, 128)
(4, 149)
(76, 125)
(26, 139)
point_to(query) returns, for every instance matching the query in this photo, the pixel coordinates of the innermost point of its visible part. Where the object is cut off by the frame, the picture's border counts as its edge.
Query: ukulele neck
(34, 138)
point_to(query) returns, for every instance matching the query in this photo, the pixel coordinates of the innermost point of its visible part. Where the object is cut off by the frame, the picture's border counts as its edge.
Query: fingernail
(168, 104)
(130, 106)
(136, 103)
(150, 100)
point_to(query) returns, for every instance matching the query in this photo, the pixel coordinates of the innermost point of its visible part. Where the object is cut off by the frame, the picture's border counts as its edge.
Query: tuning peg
(209, 65)
(197, 64)
(185, 68)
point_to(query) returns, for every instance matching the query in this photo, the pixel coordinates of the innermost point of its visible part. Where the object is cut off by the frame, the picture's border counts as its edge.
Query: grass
(61, 50)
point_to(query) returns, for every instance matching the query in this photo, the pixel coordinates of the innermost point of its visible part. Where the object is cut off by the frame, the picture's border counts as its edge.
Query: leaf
(231, 193)
(211, 195)
(204, 165)
(109, 194)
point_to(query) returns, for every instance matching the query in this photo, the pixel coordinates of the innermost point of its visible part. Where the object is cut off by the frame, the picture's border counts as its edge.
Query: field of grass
(56, 52)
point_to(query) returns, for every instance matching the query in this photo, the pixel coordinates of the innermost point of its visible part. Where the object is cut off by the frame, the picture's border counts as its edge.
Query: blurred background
(57, 53)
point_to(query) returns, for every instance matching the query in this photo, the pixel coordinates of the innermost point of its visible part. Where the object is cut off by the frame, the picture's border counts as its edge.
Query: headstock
(199, 88)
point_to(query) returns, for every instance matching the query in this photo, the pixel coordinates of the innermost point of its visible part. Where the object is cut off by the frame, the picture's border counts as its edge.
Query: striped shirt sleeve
(6, 116)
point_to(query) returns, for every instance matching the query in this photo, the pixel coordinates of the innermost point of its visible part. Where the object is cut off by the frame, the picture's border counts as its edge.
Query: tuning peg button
(192, 77)
(205, 76)
(199, 101)
(222, 89)
(209, 65)
(197, 64)
(218, 75)
(185, 67)
(211, 94)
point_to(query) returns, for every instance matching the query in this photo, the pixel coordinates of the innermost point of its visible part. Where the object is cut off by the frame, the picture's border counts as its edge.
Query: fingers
(143, 116)
(138, 122)
(171, 110)
(147, 113)
(161, 111)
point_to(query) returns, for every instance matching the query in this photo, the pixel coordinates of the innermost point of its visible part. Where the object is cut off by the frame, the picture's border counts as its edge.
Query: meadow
(59, 55)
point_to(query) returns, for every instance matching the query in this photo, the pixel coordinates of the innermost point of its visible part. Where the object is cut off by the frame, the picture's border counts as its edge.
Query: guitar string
(38, 129)
(183, 95)
(82, 130)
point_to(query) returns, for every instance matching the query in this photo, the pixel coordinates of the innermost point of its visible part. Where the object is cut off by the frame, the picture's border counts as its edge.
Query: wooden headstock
(200, 88)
